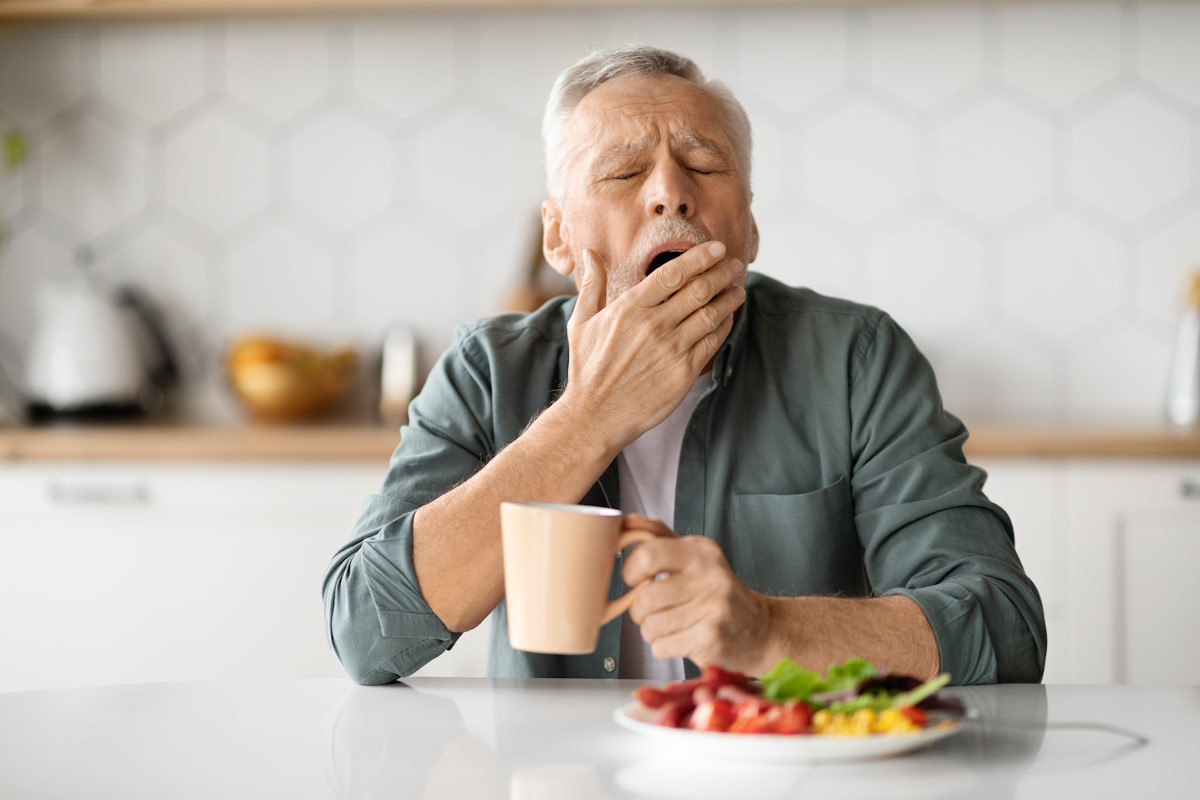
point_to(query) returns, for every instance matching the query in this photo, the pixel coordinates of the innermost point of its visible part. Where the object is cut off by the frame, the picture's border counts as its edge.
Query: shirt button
(610, 664)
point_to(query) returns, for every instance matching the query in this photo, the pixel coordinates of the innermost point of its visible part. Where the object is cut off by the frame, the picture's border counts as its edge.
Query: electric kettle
(96, 351)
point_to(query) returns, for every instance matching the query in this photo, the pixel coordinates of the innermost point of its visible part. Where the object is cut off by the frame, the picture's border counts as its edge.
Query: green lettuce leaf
(788, 680)
(847, 676)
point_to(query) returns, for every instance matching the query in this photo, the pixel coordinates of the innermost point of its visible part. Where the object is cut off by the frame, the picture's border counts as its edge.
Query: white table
(475, 738)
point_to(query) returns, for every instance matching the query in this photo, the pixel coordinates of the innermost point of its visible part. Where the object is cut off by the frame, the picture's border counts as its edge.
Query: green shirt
(820, 459)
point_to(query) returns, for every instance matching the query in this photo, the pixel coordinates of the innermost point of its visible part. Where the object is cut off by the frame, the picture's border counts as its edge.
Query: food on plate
(852, 699)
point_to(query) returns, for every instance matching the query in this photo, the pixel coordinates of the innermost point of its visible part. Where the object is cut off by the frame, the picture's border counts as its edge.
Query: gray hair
(632, 59)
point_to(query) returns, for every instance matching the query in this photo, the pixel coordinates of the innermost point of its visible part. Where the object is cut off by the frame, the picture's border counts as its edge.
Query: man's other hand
(697, 608)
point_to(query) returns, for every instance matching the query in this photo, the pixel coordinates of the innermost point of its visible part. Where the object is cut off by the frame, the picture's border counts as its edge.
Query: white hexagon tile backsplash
(154, 95)
(215, 172)
(1019, 185)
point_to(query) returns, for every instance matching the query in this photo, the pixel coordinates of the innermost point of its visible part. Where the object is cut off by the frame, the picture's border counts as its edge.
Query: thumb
(593, 286)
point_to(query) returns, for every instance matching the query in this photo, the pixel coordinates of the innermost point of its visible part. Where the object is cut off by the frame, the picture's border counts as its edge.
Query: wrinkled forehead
(637, 108)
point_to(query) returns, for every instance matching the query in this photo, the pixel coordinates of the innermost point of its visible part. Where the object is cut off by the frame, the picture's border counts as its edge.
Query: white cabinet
(1135, 542)
(139, 572)
(1032, 492)
(152, 571)
(1114, 547)
(1158, 614)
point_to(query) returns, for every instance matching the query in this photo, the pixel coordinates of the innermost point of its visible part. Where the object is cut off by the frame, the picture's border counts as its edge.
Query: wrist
(778, 640)
(577, 431)
(587, 426)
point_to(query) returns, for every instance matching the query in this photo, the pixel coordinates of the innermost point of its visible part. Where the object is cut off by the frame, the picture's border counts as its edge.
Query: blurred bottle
(1183, 390)
(398, 374)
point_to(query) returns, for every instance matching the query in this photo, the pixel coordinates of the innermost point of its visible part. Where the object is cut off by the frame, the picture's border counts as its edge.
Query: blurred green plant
(16, 149)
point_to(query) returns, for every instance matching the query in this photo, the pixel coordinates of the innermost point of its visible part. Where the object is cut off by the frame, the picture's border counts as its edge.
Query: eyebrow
(694, 141)
(623, 151)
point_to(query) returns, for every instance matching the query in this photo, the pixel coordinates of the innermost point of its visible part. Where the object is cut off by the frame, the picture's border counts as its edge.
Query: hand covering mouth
(666, 253)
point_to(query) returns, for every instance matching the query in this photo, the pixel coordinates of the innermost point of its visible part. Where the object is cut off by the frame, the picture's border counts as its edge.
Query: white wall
(1018, 184)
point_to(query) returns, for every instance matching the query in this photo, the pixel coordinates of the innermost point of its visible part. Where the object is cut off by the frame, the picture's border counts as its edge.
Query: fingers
(674, 275)
(670, 555)
(593, 287)
(702, 612)
(706, 327)
(701, 289)
(684, 615)
(651, 558)
(702, 310)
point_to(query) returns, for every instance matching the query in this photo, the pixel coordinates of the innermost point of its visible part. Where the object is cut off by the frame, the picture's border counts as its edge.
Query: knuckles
(706, 549)
(698, 293)
(671, 276)
(637, 566)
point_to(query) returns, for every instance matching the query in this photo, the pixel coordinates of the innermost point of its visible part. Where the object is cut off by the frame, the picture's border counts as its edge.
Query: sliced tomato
(796, 718)
(718, 676)
(679, 688)
(915, 715)
(759, 723)
(715, 715)
(675, 713)
(651, 697)
(744, 703)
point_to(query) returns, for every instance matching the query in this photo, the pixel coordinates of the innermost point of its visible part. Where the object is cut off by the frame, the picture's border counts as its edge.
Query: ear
(752, 245)
(554, 245)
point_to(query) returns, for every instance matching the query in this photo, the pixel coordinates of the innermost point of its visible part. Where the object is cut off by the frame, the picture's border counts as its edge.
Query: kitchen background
(1018, 184)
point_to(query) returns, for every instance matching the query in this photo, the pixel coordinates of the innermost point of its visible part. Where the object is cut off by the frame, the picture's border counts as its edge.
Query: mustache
(674, 229)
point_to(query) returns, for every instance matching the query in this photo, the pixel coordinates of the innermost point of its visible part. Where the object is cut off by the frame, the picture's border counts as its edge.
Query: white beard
(626, 274)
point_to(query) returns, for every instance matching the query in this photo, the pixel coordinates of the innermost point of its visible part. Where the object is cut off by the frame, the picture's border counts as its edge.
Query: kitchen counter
(347, 440)
(190, 441)
(462, 737)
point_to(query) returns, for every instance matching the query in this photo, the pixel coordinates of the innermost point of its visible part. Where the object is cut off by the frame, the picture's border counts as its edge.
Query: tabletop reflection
(384, 737)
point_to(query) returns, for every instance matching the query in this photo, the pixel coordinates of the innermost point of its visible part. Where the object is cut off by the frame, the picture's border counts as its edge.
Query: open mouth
(661, 259)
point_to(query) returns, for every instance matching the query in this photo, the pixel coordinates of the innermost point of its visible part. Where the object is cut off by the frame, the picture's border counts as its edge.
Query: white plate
(775, 748)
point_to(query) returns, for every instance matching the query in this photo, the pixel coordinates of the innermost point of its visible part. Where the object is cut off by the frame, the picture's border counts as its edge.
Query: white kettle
(96, 351)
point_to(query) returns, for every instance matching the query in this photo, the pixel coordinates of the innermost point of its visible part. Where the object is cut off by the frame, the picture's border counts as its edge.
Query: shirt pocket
(798, 544)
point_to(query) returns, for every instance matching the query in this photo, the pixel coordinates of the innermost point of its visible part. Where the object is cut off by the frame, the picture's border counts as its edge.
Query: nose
(669, 192)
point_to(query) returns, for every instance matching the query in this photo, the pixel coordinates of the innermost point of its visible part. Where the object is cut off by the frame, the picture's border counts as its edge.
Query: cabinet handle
(99, 494)
(1190, 489)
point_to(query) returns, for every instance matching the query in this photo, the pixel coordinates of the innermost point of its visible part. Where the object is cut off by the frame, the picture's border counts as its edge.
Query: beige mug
(558, 560)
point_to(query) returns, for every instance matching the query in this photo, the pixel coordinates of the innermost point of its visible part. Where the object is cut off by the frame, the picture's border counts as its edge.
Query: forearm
(890, 632)
(457, 551)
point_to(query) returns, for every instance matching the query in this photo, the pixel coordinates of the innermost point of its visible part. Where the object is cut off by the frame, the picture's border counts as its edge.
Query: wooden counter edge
(368, 442)
(1079, 442)
(235, 443)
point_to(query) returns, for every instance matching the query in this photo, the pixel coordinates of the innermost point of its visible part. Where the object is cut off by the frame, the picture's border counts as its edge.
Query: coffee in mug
(558, 560)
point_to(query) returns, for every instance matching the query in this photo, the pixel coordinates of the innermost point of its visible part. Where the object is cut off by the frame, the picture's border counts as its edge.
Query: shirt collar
(725, 363)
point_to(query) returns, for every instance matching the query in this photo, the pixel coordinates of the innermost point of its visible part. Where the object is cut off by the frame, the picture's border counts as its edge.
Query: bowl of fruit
(285, 380)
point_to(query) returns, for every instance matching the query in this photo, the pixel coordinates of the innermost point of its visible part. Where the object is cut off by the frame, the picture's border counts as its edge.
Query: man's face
(649, 169)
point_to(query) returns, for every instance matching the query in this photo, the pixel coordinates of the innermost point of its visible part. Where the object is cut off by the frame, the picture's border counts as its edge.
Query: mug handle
(617, 607)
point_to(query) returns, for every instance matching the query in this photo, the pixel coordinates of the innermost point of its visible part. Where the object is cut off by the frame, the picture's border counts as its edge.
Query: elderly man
(819, 501)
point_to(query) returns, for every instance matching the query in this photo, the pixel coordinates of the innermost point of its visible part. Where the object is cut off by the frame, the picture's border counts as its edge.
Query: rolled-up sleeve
(926, 527)
(377, 620)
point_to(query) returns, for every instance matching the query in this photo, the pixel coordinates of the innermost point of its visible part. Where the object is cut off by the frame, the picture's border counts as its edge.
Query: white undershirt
(648, 470)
